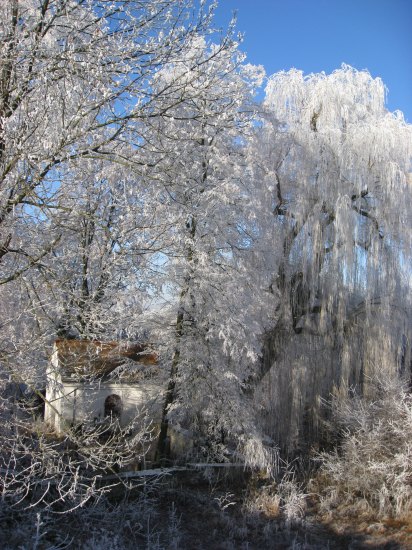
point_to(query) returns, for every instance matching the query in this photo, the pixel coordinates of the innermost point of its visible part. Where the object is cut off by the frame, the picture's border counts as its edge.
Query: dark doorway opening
(113, 406)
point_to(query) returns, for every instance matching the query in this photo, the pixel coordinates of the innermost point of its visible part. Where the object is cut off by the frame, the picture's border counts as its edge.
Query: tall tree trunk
(162, 451)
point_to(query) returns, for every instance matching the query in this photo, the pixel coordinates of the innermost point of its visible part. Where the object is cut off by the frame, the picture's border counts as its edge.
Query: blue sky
(320, 35)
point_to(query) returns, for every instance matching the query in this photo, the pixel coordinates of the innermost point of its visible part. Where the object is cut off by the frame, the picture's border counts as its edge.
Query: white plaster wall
(80, 403)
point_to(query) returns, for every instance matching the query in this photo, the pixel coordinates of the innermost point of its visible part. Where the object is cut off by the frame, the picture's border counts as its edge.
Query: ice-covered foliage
(78, 231)
(142, 192)
(374, 461)
(335, 167)
(213, 266)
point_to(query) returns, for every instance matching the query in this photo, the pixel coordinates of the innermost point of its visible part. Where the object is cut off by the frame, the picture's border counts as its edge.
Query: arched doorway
(113, 406)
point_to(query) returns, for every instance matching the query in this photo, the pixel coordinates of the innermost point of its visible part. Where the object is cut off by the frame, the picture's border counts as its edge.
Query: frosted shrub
(293, 500)
(263, 501)
(261, 457)
(284, 499)
(373, 466)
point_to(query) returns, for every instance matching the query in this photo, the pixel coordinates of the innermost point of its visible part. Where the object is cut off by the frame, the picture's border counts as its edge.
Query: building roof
(85, 359)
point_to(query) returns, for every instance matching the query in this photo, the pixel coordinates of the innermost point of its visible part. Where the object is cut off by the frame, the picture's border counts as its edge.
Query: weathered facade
(90, 381)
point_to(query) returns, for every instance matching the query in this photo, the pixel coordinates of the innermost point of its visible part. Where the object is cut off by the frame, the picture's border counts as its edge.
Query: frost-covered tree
(80, 209)
(95, 280)
(75, 84)
(211, 264)
(77, 94)
(334, 165)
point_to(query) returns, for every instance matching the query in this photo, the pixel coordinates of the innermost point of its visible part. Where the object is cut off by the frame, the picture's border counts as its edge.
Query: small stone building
(90, 381)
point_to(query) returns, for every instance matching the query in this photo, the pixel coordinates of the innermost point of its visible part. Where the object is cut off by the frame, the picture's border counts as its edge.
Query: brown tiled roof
(93, 358)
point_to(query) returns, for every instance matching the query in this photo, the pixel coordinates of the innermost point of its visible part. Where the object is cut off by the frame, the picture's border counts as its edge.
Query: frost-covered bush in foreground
(373, 467)
(284, 499)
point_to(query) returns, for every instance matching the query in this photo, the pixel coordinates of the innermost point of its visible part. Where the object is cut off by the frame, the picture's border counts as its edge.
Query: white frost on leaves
(336, 168)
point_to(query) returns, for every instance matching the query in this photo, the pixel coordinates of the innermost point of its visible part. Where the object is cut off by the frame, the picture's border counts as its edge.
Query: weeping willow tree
(336, 165)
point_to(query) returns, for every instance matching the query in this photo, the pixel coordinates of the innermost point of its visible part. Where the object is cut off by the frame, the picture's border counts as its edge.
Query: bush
(372, 469)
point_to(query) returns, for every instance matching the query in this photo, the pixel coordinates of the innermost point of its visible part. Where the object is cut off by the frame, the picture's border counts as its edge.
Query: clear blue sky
(320, 35)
